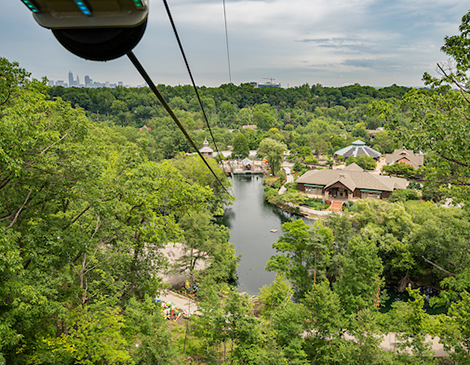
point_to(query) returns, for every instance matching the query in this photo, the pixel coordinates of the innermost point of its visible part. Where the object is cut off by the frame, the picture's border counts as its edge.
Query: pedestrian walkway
(289, 179)
(180, 301)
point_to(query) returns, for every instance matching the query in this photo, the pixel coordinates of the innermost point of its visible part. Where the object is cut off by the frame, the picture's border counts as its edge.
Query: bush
(293, 196)
(347, 205)
(291, 186)
(414, 185)
(400, 169)
(298, 166)
(366, 162)
(314, 203)
(282, 176)
(271, 195)
(431, 192)
(310, 159)
(405, 195)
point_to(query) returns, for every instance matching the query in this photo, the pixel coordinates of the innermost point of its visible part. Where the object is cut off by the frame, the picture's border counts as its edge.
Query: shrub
(414, 185)
(400, 169)
(366, 162)
(314, 203)
(291, 186)
(405, 195)
(432, 192)
(293, 196)
(310, 159)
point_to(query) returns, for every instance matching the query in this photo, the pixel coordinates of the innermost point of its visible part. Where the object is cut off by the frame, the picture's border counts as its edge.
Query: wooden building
(352, 183)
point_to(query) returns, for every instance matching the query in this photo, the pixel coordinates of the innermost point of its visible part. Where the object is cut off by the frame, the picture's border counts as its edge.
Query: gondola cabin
(98, 30)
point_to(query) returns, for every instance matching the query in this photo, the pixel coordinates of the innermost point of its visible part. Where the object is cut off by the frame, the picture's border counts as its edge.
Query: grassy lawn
(413, 203)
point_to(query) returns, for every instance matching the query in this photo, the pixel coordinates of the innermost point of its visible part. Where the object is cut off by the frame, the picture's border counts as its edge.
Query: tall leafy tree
(303, 254)
(240, 146)
(440, 122)
(273, 151)
(360, 281)
(83, 220)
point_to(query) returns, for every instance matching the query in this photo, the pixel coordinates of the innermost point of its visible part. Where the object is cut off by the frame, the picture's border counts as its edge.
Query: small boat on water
(273, 230)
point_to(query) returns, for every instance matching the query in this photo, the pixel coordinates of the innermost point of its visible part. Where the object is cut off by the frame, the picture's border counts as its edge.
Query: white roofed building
(206, 150)
(356, 149)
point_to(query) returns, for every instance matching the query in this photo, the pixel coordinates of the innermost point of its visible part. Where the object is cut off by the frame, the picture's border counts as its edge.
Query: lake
(250, 220)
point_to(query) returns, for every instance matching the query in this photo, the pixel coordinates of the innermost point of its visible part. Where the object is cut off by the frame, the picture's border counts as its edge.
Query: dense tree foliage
(84, 214)
(273, 152)
(366, 162)
(440, 121)
(87, 200)
(315, 118)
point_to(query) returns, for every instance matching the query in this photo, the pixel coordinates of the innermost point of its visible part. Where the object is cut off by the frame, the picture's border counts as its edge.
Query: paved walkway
(180, 301)
(289, 179)
(390, 341)
(380, 164)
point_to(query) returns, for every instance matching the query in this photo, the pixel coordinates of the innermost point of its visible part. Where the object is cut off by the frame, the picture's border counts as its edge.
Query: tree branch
(5, 181)
(455, 161)
(52, 145)
(19, 211)
(78, 216)
(438, 267)
(455, 82)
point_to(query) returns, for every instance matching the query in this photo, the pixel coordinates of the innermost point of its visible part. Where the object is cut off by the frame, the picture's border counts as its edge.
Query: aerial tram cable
(102, 31)
(226, 41)
(157, 93)
(189, 72)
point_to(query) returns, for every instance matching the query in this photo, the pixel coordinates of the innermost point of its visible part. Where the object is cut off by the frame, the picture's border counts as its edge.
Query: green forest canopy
(87, 200)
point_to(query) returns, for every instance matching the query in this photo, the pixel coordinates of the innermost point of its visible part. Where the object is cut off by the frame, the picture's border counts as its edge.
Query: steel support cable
(226, 41)
(189, 71)
(159, 96)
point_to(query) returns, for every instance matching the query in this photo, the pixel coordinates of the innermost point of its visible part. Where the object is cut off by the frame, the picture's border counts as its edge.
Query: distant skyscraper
(78, 81)
(71, 82)
(87, 81)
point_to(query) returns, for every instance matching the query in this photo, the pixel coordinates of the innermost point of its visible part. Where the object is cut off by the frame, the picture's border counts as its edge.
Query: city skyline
(88, 82)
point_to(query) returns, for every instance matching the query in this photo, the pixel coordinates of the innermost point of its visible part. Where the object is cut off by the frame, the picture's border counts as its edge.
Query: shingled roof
(406, 156)
(353, 177)
(358, 148)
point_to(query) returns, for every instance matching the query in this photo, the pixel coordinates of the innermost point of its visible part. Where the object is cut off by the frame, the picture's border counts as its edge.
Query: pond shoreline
(298, 210)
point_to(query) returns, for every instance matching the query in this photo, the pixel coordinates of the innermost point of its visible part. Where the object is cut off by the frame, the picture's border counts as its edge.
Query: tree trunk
(315, 269)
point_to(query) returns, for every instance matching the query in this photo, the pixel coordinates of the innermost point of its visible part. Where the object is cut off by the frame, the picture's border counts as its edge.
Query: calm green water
(250, 220)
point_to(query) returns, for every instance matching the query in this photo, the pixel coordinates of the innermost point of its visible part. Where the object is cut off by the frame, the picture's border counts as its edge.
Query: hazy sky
(331, 42)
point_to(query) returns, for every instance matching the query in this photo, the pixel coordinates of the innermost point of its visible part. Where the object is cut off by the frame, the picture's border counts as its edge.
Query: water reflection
(250, 220)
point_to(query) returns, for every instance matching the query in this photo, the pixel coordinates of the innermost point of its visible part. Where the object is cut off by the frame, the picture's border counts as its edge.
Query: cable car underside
(98, 30)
